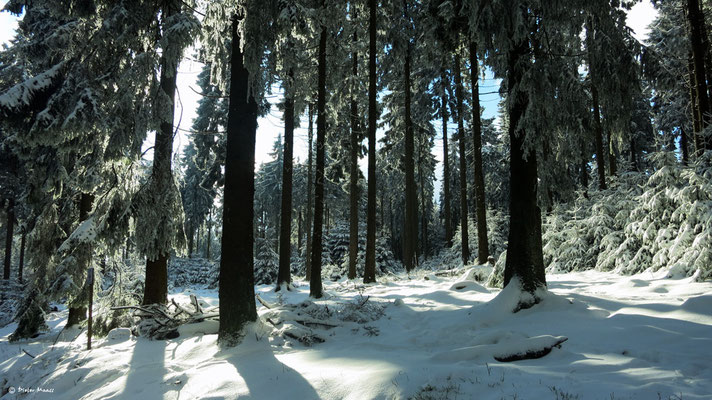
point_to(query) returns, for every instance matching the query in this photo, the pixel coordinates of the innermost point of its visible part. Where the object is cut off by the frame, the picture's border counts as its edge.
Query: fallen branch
(264, 303)
(531, 353)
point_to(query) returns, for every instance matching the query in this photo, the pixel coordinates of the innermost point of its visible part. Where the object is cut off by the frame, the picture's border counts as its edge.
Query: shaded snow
(638, 337)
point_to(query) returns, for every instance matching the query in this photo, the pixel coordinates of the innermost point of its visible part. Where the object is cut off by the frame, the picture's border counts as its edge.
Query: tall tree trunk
(597, 128)
(285, 224)
(300, 222)
(209, 228)
(156, 286)
(78, 312)
(423, 211)
(612, 162)
(598, 133)
(21, 266)
(633, 155)
(237, 282)
(8, 237)
(310, 209)
(191, 236)
(446, 165)
(480, 205)
(369, 274)
(525, 259)
(315, 289)
(696, 118)
(410, 237)
(353, 160)
(684, 146)
(698, 42)
(463, 161)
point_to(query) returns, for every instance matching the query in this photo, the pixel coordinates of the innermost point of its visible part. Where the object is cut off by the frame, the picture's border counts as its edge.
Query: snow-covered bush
(643, 222)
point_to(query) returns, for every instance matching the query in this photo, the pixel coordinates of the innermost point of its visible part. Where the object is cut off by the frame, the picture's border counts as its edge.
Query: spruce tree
(236, 285)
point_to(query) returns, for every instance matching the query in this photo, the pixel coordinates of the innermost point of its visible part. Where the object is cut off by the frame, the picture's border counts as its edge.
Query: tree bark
(463, 161)
(684, 146)
(353, 161)
(21, 266)
(696, 119)
(9, 237)
(300, 222)
(480, 205)
(237, 283)
(209, 229)
(191, 236)
(524, 250)
(411, 217)
(446, 165)
(285, 224)
(310, 210)
(315, 288)
(156, 286)
(698, 42)
(633, 155)
(597, 128)
(369, 274)
(612, 162)
(78, 312)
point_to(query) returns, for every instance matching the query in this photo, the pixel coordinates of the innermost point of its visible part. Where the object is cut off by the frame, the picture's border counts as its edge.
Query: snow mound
(699, 305)
(466, 286)
(503, 346)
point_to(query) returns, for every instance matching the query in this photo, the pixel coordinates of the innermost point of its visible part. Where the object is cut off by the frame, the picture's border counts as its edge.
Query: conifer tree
(369, 275)
(236, 284)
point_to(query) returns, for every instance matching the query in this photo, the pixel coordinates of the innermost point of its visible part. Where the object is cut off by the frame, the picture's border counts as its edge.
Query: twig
(25, 351)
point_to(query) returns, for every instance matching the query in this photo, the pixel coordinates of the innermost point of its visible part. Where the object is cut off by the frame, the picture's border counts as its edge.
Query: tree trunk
(353, 162)
(78, 312)
(463, 161)
(480, 205)
(684, 146)
(300, 222)
(285, 224)
(423, 212)
(525, 259)
(8, 237)
(310, 210)
(698, 42)
(209, 229)
(696, 119)
(237, 283)
(410, 238)
(612, 162)
(446, 165)
(633, 155)
(597, 128)
(156, 286)
(315, 289)
(22, 256)
(369, 274)
(191, 235)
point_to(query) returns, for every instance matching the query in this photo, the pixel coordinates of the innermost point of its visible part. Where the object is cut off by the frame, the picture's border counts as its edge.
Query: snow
(645, 336)
(22, 93)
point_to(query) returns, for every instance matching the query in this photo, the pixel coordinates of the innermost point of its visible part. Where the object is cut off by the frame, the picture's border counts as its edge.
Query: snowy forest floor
(419, 337)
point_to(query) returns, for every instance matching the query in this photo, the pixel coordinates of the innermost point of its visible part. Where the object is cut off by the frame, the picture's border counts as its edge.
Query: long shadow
(265, 376)
(146, 371)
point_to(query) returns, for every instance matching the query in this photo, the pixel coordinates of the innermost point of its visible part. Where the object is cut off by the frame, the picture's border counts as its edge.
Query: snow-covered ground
(629, 337)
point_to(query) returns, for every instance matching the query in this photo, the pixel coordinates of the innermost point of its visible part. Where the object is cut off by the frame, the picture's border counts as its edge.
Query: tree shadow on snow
(268, 378)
